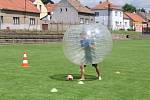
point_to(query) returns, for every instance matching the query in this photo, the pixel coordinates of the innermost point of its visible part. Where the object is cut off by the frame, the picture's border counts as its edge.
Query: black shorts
(93, 65)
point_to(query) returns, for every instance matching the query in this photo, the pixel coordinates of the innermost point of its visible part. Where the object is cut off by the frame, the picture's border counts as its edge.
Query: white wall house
(109, 15)
(126, 21)
(117, 19)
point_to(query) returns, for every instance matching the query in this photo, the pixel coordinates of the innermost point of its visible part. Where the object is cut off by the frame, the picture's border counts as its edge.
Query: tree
(143, 10)
(129, 8)
(47, 1)
(43, 1)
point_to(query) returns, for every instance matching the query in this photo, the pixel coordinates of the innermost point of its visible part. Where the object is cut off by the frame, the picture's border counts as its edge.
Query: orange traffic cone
(25, 60)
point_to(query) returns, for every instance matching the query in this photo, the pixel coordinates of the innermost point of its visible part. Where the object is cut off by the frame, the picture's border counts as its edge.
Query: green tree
(43, 1)
(129, 8)
(143, 10)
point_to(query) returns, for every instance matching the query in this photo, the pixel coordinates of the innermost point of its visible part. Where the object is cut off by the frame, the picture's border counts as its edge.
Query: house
(71, 12)
(136, 21)
(146, 17)
(41, 7)
(109, 15)
(18, 14)
(127, 22)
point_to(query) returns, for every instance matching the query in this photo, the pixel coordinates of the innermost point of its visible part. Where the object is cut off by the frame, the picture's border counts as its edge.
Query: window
(120, 23)
(1, 19)
(60, 9)
(66, 9)
(87, 21)
(50, 17)
(40, 7)
(92, 20)
(96, 13)
(120, 14)
(32, 21)
(126, 24)
(81, 20)
(117, 23)
(115, 13)
(16, 20)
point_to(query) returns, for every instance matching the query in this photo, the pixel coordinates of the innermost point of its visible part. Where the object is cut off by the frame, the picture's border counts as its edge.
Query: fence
(51, 32)
(146, 30)
(55, 27)
(40, 37)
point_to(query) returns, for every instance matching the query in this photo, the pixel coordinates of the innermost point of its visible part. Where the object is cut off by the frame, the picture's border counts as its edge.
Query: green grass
(49, 67)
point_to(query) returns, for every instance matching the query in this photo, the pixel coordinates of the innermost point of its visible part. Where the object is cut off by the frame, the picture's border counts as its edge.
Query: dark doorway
(44, 27)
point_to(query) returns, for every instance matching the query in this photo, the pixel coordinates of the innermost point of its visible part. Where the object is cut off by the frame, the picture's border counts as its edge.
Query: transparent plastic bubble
(87, 44)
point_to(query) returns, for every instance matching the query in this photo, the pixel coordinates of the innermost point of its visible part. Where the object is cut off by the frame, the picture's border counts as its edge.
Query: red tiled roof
(135, 17)
(144, 15)
(18, 5)
(105, 5)
(50, 7)
(125, 16)
(80, 8)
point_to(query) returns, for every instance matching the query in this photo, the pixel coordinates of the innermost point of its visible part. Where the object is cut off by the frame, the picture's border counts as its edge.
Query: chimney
(100, 2)
(107, 0)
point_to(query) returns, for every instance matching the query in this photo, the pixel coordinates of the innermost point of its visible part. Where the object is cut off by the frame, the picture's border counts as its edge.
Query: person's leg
(82, 77)
(97, 71)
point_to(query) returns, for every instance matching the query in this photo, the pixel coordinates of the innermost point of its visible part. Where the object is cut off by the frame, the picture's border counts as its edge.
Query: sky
(137, 3)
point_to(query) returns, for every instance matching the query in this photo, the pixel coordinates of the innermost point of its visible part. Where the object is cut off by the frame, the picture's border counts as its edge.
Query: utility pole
(25, 12)
(108, 25)
(0, 19)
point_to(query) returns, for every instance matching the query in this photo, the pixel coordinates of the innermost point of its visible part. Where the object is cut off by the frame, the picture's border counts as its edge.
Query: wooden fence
(9, 38)
(56, 27)
(146, 30)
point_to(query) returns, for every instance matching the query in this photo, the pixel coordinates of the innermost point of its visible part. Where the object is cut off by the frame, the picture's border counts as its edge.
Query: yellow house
(41, 7)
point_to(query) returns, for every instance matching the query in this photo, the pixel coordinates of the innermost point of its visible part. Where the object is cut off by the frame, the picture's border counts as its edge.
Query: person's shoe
(99, 78)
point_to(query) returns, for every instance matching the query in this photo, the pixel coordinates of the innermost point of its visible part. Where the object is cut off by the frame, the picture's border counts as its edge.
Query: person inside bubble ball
(88, 45)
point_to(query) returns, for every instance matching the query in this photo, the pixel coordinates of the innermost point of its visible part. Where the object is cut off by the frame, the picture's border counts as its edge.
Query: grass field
(49, 67)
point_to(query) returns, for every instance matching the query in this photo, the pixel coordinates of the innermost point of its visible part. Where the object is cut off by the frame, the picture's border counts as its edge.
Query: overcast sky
(136, 3)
